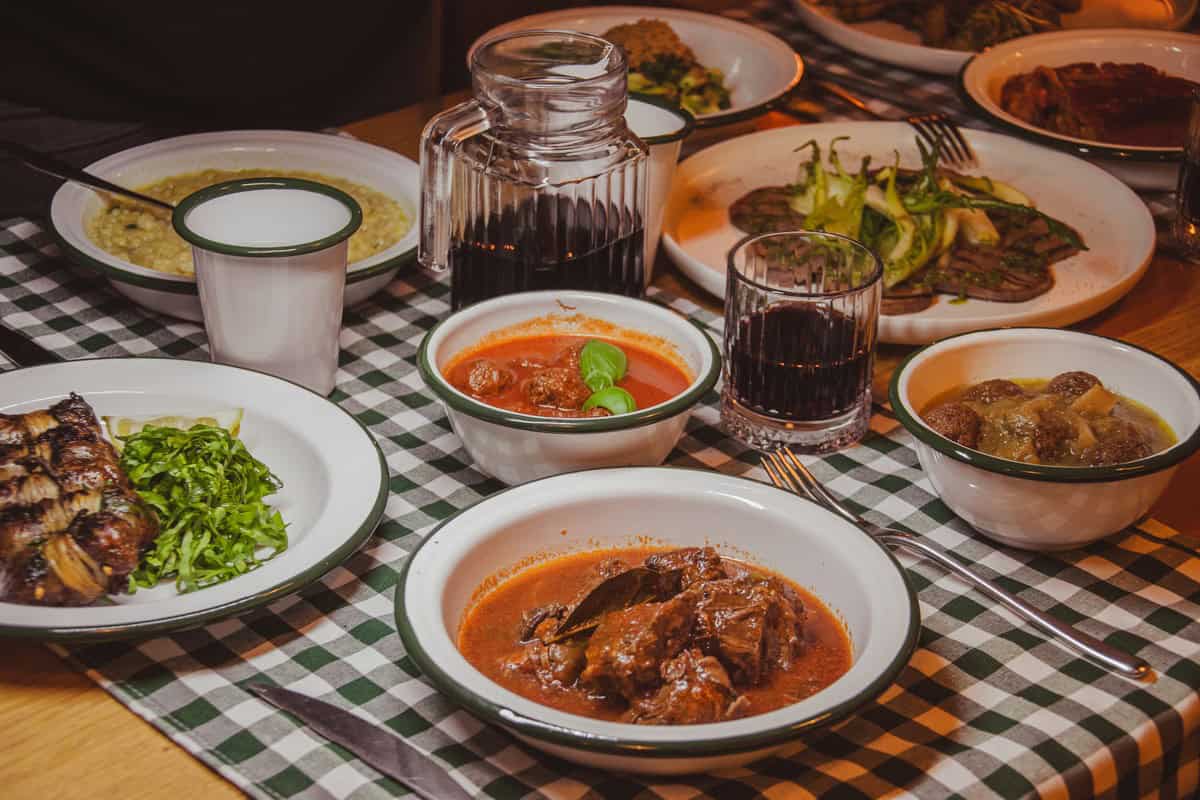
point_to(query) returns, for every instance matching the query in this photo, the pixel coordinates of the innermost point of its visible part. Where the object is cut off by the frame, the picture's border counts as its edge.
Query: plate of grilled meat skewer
(144, 495)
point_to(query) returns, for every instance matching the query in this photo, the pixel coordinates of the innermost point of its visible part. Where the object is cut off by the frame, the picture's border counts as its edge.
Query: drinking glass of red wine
(801, 316)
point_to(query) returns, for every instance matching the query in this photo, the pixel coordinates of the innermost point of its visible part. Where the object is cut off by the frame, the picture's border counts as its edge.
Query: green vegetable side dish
(602, 365)
(661, 64)
(911, 228)
(207, 491)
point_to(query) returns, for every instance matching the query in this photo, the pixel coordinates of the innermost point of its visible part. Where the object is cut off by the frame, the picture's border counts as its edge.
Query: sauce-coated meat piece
(956, 421)
(1052, 435)
(991, 391)
(749, 623)
(697, 563)
(1120, 441)
(558, 387)
(1072, 384)
(627, 649)
(696, 689)
(486, 377)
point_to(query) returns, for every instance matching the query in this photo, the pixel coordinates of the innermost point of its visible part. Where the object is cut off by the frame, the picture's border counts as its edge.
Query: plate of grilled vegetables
(145, 495)
(940, 35)
(1029, 237)
(718, 69)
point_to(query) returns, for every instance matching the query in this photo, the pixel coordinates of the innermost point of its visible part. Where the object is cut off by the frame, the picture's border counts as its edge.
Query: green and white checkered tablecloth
(985, 708)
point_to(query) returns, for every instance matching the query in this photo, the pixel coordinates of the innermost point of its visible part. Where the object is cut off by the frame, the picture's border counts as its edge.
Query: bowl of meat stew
(655, 619)
(1047, 439)
(539, 383)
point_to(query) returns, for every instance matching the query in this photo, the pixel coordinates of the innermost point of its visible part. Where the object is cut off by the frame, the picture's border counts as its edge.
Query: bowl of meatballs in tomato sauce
(1046, 439)
(539, 383)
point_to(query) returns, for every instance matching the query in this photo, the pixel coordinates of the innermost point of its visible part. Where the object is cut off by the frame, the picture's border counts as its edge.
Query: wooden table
(64, 737)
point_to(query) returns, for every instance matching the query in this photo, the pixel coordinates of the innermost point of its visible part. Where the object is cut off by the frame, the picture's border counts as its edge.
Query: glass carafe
(536, 183)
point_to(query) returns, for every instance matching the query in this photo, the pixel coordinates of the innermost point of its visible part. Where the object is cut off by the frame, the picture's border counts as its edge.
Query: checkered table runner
(985, 707)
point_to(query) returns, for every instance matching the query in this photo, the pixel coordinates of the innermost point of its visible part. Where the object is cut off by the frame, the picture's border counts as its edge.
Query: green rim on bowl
(528, 422)
(283, 588)
(198, 198)
(1033, 134)
(645, 748)
(1041, 472)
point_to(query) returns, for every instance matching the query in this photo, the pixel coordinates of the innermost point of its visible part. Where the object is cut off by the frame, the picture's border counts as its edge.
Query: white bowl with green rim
(855, 576)
(516, 447)
(337, 156)
(1035, 506)
(663, 127)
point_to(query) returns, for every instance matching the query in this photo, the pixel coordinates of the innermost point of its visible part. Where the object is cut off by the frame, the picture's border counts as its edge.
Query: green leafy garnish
(602, 364)
(207, 491)
(614, 398)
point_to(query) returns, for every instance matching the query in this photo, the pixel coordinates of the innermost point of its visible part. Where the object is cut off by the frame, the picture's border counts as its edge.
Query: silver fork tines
(788, 473)
(941, 133)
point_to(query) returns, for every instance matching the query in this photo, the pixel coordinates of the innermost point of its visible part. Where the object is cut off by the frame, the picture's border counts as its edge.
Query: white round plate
(333, 473)
(1114, 222)
(759, 67)
(894, 44)
(1176, 54)
(339, 156)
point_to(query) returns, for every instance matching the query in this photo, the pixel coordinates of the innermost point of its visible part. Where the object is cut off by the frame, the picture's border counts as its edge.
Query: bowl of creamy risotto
(137, 249)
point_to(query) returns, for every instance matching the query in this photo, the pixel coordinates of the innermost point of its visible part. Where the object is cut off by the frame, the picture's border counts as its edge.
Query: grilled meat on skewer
(71, 528)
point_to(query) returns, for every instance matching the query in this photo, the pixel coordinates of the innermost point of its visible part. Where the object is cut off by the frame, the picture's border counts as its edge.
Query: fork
(788, 473)
(938, 130)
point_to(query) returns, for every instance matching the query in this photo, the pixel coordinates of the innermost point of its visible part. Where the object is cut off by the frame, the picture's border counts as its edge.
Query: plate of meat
(145, 495)
(1119, 98)
(1030, 237)
(941, 35)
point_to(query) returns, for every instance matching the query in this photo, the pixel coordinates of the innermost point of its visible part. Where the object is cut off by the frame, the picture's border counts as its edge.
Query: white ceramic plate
(855, 576)
(1176, 54)
(334, 483)
(339, 156)
(1114, 222)
(894, 44)
(759, 67)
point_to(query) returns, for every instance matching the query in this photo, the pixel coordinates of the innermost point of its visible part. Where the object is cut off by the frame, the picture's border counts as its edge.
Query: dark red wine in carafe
(548, 244)
(799, 362)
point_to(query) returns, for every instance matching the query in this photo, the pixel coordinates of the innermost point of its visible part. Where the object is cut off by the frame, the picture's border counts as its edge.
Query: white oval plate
(333, 473)
(759, 67)
(894, 44)
(1114, 222)
(375, 167)
(1176, 54)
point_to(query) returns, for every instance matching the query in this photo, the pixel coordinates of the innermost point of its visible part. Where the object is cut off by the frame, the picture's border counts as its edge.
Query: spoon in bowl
(60, 169)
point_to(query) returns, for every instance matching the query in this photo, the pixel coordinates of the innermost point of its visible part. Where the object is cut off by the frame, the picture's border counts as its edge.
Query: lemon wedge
(229, 419)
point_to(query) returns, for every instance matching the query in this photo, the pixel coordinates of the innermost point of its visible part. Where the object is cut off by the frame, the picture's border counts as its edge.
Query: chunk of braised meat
(1120, 441)
(485, 377)
(557, 387)
(1072, 384)
(558, 664)
(752, 624)
(989, 392)
(626, 651)
(553, 664)
(696, 689)
(540, 622)
(956, 421)
(1052, 435)
(697, 563)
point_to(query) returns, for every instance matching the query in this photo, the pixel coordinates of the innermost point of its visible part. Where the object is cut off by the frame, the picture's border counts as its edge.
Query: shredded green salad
(207, 491)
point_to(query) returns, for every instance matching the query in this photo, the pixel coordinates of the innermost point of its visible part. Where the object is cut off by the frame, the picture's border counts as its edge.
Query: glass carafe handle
(438, 142)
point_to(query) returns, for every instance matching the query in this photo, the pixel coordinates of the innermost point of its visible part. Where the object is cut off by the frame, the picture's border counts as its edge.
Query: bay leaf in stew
(625, 589)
